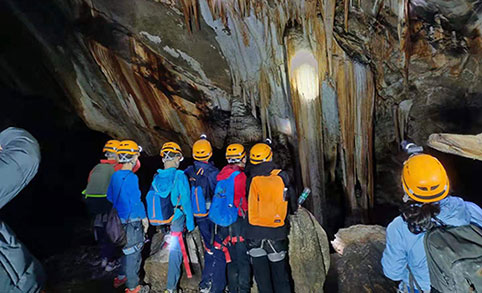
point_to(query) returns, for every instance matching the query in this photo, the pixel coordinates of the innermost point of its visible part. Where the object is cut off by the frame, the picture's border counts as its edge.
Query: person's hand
(145, 224)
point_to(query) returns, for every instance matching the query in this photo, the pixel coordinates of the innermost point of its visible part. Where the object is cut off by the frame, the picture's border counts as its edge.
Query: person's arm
(19, 161)
(184, 190)
(110, 190)
(240, 191)
(138, 210)
(475, 213)
(291, 193)
(394, 259)
(213, 180)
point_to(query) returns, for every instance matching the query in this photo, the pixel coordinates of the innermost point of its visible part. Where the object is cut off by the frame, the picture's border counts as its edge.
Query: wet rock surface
(359, 268)
(309, 252)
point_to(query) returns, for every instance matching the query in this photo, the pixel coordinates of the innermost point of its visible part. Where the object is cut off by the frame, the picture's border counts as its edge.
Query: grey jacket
(19, 161)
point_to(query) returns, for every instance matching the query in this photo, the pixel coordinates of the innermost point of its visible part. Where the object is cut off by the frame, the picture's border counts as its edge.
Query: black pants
(239, 269)
(270, 276)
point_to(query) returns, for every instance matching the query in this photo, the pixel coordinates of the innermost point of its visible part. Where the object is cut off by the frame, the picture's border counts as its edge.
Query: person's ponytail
(419, 216)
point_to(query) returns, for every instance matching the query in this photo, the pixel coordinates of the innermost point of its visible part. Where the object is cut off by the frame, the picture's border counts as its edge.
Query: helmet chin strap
(405, 198)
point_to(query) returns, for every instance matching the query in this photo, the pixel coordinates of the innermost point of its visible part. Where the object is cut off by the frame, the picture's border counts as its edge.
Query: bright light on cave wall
(304, 75)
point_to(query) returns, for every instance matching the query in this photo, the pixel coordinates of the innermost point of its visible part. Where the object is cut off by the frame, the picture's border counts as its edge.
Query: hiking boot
(138, 289)
(112, 266)
(119, 282)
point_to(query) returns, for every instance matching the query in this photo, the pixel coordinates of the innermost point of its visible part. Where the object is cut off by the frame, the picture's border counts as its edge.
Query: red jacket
(239, 185)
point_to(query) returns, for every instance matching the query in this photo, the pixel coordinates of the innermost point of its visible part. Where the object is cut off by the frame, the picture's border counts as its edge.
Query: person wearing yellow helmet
(270, 197)
(202, 178)
(97, 204)
(169, 204)
(228, 211)
(427, 204)
(125, 195)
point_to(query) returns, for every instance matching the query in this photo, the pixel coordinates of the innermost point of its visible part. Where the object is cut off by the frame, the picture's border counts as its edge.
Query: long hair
(419, 215)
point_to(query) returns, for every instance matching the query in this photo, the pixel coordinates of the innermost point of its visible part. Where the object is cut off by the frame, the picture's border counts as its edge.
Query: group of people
(241, 214)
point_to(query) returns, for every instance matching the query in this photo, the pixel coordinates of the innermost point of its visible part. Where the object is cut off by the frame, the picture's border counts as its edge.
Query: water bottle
(304, 195)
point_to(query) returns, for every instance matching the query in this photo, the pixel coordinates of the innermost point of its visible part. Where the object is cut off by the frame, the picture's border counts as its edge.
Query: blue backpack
(160, 210)
(223, 210)
(200, 191)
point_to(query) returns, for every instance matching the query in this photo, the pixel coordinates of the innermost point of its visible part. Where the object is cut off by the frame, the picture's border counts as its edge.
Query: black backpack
(454, 258)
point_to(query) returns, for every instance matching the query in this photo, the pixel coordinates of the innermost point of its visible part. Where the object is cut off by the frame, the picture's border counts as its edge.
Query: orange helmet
(111, 146)
(235, 153)
(424, 179)
(129, 147)
(260, 153)
(201, 149)
(170, 147)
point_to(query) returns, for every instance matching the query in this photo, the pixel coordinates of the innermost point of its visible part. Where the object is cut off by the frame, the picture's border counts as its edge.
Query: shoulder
(286, 177)
(189, 170)
(396, 227)
(180, 174)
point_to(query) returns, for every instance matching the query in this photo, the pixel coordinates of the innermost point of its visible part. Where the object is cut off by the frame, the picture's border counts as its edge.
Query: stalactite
(365, 101)
(347, 10)
(404, 34)
(190, 10)
(338, 119)
(264, 94)
(329, 18)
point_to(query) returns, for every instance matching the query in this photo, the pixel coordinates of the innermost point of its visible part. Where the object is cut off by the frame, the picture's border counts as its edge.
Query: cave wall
(165, 69)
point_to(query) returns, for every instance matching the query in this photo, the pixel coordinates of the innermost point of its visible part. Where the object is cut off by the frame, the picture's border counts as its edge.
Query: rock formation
(380, 71)
(357, 266)
(469, 146)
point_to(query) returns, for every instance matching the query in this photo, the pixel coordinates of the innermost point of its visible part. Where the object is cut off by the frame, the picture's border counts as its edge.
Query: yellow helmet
(260, 153)
(111, 146)
(170, 147)
(129, 147)
(201, 149)
(235, 153)
(424, 179)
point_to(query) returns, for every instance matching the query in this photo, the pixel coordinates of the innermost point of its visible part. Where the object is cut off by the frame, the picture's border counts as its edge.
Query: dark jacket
(96, 190)
(210, 171)
(256, 232)
(19, 162)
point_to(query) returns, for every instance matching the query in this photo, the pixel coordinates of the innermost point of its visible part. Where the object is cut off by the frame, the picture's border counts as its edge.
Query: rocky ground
(356, 269)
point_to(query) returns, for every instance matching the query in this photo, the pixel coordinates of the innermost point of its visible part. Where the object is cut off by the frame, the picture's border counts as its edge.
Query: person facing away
(97, 204)
(269, 194)
(124, 194)
(239, 269)
(169, 203)
(426, 202)
(19, 160)
(202, 179)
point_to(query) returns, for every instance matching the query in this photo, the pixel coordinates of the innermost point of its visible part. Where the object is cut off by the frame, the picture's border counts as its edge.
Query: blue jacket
(210, 171)
(124, 193)
(164, 183)
(405, 248)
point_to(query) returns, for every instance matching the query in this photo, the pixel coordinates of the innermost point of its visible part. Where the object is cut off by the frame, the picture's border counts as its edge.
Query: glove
(145, 224)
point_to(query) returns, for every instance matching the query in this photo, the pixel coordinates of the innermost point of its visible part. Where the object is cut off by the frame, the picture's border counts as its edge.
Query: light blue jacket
(405, 248)
(165, 183)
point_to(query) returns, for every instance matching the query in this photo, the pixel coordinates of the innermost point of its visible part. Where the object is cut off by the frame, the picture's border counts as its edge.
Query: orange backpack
(266, 204)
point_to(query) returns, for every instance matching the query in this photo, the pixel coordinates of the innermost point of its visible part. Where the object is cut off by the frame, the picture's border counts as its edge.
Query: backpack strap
(413, 282)
(275, 172)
